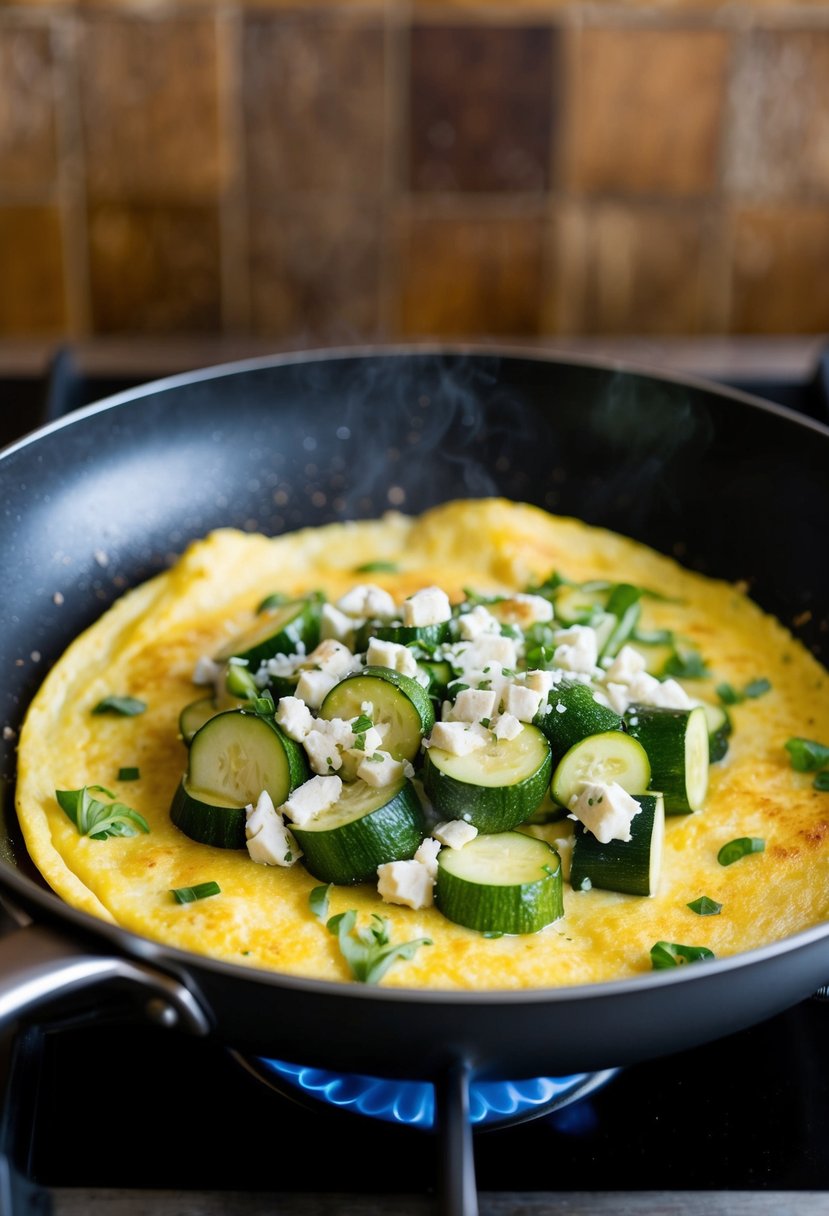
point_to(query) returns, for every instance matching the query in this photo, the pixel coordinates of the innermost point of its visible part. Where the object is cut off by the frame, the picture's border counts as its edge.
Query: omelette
(102, 747)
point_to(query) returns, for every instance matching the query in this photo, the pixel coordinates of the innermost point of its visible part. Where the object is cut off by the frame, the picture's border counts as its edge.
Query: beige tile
(32, 299)
(154, 269)
(28, 152)
(646, 110)
(471, 275)
(149, 90)
(779, 270)
(315, 103)
(314, 269)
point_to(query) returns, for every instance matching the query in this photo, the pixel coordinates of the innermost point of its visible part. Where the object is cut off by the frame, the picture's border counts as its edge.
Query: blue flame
(412, 1103)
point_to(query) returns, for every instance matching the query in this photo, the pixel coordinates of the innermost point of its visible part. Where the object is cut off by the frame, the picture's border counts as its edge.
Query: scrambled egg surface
(147, 646)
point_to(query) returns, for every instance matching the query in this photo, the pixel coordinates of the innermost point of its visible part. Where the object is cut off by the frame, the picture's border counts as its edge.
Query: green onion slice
(129, 774)
(807, 755)
(741, 847)
(378, 567)
(671, 954)
(821, 781)
(705, 906)
(189, 895)
(128, 707)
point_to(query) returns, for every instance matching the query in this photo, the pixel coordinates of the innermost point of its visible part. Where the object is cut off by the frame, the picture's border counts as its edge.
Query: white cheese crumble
(337, 625)
(206, 671)
(457, 738)
(379, 769)
(576, 649)
(392, 655)
(522, 702)
(471, 625)
(314, 686)
(605, 810)
(524, 610)
(333, 658)
(430, 606)
(472, 705)
(268, 840)
(294, 717)
(507, 726)
(323, 754)
(311, 798)
(454, 833)
(406, 882)
(627, 664)
(427, 854)
(645, 689)
(367, 600)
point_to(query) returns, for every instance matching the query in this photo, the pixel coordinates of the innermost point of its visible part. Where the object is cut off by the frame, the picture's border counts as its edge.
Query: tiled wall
(328, 173)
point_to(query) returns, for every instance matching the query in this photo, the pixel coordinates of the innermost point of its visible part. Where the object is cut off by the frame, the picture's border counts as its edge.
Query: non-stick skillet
(735, 487)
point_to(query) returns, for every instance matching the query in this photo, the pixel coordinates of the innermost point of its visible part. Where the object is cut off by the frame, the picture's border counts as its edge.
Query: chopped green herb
(705, 906)
(128, 774)
(189, 895)
(239, 682)
(741, 847)
(97, 819)
(378, 567)
(272, 601)
(264, 706)
(733, 696)
(128, 707)
(671, 954)
(367, 949)
(361, 724)
(549, 586)
(685, 665)
(807, 755)
(653, 637)
(318, 901)
(821, 781)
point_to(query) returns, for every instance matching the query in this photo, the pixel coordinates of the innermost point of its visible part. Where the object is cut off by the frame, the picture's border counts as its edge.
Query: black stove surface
(133, 1106)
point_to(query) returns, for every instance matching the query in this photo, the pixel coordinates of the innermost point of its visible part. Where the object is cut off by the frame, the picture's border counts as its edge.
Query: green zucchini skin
(491, 807)
(395, 631)
(581, 715)
(206, 821)
(719, 731)
(631, 867)
(676, 741)
(351, 852)
(194, 715)
(398, 700)
(523, 906)
(608, 756)
(248, 735)
(277, 631)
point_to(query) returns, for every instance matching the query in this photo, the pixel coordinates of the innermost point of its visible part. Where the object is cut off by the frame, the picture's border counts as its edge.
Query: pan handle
(38, 966)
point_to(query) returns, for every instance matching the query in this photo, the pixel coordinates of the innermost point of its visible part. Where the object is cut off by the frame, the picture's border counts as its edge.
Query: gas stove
(100, 1114)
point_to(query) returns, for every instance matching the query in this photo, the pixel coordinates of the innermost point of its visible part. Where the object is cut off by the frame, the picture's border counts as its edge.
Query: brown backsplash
(314, 173)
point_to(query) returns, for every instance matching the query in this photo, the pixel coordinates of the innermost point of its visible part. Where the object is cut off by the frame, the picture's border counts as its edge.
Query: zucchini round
(630, 866)
(279, 630)
(194, 715)
(602, 758)
(207, 818)
(501, 883)
(364, 829)
(494, 788)
(404, 635)
(676, 741)
(719, 729)
(237, 754)
(399, 703)
(571, 714)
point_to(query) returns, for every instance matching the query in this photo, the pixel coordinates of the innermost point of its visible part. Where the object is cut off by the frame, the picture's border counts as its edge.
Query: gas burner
(492, 1104)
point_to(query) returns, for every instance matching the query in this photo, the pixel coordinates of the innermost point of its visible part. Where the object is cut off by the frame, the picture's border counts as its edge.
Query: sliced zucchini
(602, 758)
(237, 754)
(630, 866)
(277, 631)
(399, 703)
(576, 605)
(494, 788)
(622, 604)
(501, 883)
(571, 713)
(364, 829)
(194, 716)
(440, 673)
(404, 635)
(719, 729)
(207, 818)
(676, 741)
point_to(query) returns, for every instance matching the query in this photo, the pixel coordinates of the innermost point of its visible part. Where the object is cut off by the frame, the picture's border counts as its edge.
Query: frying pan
(735, 487)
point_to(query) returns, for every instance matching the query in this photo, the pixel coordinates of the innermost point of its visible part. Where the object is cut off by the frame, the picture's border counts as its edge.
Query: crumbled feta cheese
(294, 717)
(314, 686)
(368, 600)
(525, 610)
(507, 727)
(379, 768)
(457, 738)
(427, 855)
(281, 665)
(367, 741)
(454, 833)
(322, 752)
(645, 689)
(541, 681)
(311, 798)
(627, 664)
(268, 840)
(406, 882)
(335, 624)
(576, 649)
(563, 845)
(490, 648)
(206, 671)
(605, 810)
(472, 625)
(473, 704)
(333, 658)
(337, 729)
(427, 607)
(391, 654)
(522, 702)
(618, 697)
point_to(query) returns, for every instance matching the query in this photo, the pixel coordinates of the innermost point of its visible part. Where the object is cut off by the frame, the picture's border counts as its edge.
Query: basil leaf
(129, 774)
(729, 695)
(318, 901)
(821, 781)
(741, 847)
(366, 948)
(705, 906)
(202, 890)
(97, 819)
(807, 755)
(671, 954)
(756, 688)
(128, 707)
(378, 567)
(685, 665)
